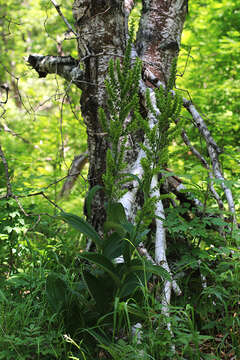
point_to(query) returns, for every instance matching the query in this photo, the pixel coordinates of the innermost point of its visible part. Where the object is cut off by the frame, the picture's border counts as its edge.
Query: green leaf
(133, 177)
(141, 235)
(101, 339)
(128, 249)
(158, 270)
(9, 229)
(112, 246)
(90, 197)
(83, 226)
(57, 291)
(148, 267)
(103, 262)
(110, 225)
(116, 213)
(131, 283)
(3, 297)
(99, 289)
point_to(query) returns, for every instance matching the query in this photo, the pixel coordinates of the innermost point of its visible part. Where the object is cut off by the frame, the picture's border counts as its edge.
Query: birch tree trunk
(101, 29)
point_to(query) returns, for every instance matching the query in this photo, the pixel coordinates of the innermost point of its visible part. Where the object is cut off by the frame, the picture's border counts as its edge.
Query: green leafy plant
(12, 229)
(106, 279)
(122, 88)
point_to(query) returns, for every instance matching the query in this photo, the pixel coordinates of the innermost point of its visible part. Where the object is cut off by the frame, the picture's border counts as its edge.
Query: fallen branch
(206, 165)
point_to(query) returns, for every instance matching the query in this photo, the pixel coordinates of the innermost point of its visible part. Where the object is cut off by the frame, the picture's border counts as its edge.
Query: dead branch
(206, 165)
(77, 165)
(213, 149)
(64, 66)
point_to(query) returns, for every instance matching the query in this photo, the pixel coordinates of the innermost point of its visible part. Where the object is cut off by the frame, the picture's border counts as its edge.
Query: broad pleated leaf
(103, 262)
(57, 291)
(116, 213)
(110, 225)
(112, 246)
(154, 269)
(99, 289)
(83, 226)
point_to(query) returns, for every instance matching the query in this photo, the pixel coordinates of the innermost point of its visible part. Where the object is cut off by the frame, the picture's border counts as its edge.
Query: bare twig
(57, 7)
(16, 86)
(45, 196)
(69, 26)
(13, 133)
(20, 205)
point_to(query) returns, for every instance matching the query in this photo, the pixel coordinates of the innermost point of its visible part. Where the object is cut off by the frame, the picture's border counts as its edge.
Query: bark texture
(159, 35)
(101, 29)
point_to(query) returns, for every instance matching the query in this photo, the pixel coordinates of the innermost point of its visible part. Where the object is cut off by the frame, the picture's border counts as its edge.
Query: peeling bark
(159, 35)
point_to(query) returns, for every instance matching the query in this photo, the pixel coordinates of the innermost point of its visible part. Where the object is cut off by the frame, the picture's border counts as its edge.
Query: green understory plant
(27, 328)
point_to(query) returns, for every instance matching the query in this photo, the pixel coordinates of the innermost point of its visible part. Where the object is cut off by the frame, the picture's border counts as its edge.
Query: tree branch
(75, 169)
(206, 165)
(213, 149)
(13, 133)
(64, 66)
(57, 7)
(200, 124)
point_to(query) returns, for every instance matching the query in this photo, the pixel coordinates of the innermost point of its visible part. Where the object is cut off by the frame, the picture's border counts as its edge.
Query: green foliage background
(209, 70)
